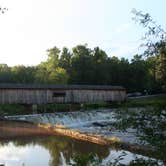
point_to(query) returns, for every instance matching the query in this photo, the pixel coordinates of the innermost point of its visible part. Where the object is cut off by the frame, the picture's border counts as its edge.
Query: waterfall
(97, 122)
(68, 119)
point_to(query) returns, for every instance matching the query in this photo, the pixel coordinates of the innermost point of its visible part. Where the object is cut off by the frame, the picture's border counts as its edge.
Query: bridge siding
(41, 96)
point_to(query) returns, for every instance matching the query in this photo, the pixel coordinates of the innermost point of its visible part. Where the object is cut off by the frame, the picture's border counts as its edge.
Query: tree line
(83, 65)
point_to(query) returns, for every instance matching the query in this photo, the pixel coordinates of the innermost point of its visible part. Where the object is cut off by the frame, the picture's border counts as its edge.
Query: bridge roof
(59, 87)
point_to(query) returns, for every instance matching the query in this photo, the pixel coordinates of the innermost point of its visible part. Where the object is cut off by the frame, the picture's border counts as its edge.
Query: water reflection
(45, 151)
(58, 151)
(11, 155)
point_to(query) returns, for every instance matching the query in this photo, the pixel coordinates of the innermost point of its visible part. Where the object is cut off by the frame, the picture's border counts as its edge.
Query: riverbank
(19, 109)
(144, 101)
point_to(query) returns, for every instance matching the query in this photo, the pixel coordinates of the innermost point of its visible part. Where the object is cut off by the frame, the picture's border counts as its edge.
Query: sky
(30, 27)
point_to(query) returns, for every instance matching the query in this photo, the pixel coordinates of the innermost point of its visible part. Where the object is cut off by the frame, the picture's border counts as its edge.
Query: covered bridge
(41, 93)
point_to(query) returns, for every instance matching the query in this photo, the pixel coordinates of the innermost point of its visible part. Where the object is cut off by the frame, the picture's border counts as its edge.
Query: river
(24, 144)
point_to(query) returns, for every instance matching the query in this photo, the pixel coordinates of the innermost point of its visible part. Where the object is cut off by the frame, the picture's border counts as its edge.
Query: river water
(54, 150)
(44, 151)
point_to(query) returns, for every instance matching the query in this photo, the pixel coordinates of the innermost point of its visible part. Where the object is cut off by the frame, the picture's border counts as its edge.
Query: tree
(58, 76)
(22, 74)
(100, 66)
(53, 58)
(125, 77)
(140, 75)
(152, 71)
(99, 55)
(50, 71)
(161, 63)
(5, 73)
(41, 74)
(82, 65)
(65, 59)
(155, 43)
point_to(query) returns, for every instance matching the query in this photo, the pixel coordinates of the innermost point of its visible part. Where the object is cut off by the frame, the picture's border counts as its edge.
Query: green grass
(53, 108)
(159, 101)
(18, 109)
(11, 109)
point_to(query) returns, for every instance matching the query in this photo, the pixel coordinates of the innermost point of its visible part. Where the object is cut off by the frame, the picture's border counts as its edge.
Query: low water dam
(68, 119)
(98, 122)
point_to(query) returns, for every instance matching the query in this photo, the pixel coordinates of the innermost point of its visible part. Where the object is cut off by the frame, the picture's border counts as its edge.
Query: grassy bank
(159, 100)
(12, 109)
(153, 101)
(18, 109)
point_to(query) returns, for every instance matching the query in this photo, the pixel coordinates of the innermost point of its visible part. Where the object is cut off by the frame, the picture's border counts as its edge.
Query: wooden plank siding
(59, 95)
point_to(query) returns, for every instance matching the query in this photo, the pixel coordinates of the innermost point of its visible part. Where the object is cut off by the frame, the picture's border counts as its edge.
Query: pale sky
(30, 27)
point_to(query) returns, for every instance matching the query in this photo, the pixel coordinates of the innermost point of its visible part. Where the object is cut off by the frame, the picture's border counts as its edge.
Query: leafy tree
(41, 74)
(58, 76)
(5, 73)
(100, 66)
(152, 65)
(53, 58)
(139, 79)
(22, 74)
(82, 65)
(155, 43)
(65, 59)
(125, 73)
(50, 71)
(113, 68)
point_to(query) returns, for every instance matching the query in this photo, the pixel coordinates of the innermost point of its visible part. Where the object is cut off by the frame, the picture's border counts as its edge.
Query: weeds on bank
(149, 124)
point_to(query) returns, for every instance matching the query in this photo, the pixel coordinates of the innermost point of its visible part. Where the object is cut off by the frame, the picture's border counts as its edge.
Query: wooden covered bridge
(42, 94)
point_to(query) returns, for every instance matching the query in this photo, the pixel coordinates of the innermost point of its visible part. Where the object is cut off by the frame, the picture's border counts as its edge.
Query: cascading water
(94, 122)
(68, 119)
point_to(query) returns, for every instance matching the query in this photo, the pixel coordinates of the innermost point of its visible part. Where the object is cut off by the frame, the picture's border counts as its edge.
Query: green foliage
(157, 101)
(85, 160)
(84, 65)
(143, 162)
(45, 108)
(22, 74)
(149, 123)
(58, 76)
(65, 60)
(11, 109)
(154, 41)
